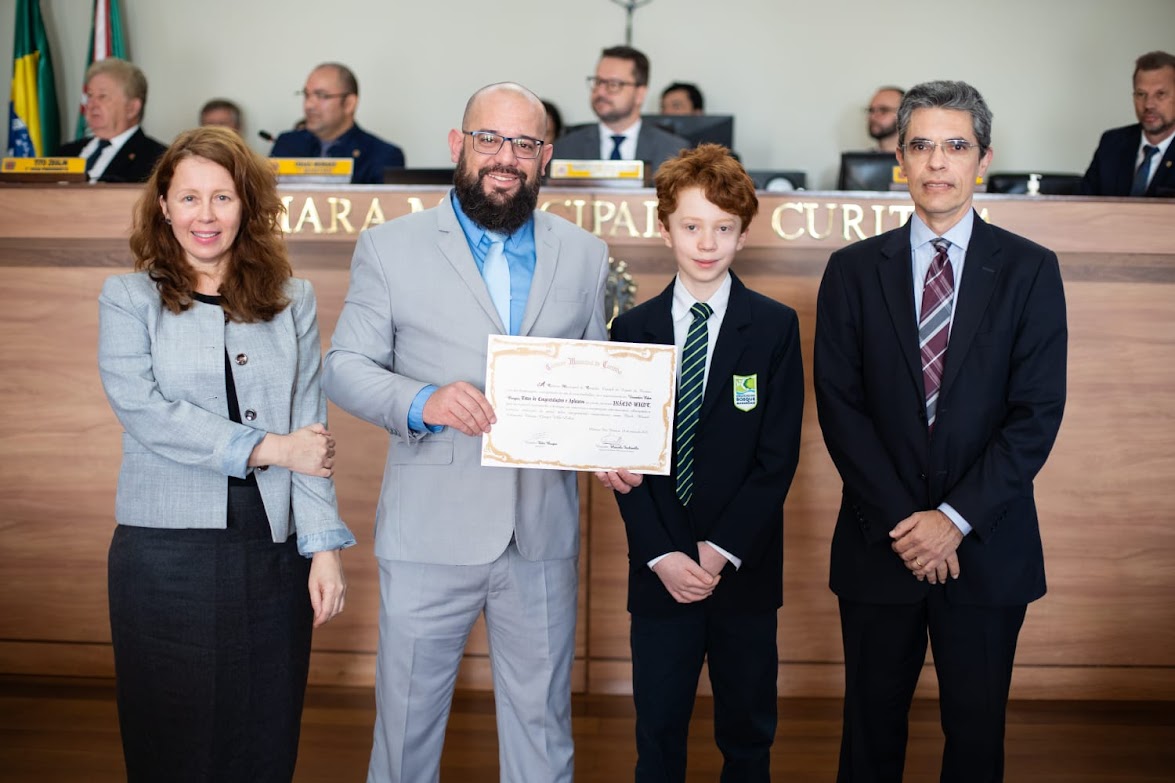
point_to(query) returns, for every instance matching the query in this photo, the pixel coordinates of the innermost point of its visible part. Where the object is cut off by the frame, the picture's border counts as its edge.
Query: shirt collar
(631, 132)
(1162, 145)
(683, 300)
(475, 232)
(122, 138)
(958, 235)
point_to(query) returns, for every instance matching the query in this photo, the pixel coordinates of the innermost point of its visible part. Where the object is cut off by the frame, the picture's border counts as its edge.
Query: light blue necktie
(496, 272)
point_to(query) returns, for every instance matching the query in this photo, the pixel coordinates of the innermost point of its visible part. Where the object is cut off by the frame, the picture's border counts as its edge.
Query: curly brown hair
(254, 282)
(712, 168)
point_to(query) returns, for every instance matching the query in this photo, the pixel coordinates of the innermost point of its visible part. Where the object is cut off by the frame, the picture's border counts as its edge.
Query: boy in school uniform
(706, 542)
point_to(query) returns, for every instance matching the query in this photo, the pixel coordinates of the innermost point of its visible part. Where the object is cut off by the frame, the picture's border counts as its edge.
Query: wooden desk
(1105, 630)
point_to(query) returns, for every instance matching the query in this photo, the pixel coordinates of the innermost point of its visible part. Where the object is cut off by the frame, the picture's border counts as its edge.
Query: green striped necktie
(689, 397)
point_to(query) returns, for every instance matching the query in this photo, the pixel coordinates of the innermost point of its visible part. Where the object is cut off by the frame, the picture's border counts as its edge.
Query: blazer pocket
(424, 452)
(570, 294)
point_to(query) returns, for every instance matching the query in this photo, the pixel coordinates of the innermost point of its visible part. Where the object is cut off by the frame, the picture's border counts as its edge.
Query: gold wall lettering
(339, 209)
(620, 217)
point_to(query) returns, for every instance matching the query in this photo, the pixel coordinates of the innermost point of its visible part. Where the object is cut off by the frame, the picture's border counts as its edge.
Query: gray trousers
(426, 613)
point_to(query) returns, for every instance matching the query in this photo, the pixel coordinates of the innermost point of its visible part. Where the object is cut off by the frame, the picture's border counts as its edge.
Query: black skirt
(211, 632)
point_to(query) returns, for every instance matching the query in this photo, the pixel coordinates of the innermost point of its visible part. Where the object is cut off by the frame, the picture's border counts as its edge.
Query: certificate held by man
(580, 404)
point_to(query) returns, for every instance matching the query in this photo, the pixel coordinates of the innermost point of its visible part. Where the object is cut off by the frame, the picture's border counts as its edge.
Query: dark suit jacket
(744, 461)
(372, 154)
(1111, 171)
(999, 409)
(653, 145)
(133, 162)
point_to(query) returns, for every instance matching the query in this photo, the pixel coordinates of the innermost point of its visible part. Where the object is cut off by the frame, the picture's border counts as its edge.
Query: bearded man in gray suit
(454, 539)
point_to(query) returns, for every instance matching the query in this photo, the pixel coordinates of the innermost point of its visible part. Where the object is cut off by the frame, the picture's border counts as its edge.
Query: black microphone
(265, 135)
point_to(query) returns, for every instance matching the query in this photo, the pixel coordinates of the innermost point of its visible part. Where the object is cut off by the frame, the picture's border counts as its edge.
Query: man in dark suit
(618, 92)
(706, 542)
(940, 382)
(1139, 160)
(329, 101)
(118, 150)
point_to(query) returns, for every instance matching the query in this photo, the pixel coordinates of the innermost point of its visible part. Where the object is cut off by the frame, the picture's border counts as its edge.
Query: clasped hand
(927, 542)
(688, 581)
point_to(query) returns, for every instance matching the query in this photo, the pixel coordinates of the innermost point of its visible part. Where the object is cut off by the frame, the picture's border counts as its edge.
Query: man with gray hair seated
(118, 150)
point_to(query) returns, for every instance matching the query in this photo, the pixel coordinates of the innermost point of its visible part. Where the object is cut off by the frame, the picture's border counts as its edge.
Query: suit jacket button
(250, 415)
(242, 358)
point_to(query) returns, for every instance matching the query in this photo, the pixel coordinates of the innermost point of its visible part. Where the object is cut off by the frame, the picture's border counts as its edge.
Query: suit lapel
(732, 341)
(454, 247)
(896, 277)
(980, 273)
(546, 262)
(1127, 163)
(1165, 174)
(659, 323)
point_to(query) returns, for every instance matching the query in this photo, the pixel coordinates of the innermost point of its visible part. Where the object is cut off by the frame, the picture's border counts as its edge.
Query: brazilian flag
(34, 129)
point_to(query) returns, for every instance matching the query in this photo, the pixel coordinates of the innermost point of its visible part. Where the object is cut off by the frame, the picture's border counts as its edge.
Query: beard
(497, 212)
(883, 131)
(608, 112)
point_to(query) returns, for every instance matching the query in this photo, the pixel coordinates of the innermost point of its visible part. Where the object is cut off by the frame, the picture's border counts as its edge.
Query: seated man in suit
(939, 369)
(329, 101)
(883, 118)
(223, 112)
(705, 576)
(618, 92)
(1139, 159)
(118, 150)
(682, 99)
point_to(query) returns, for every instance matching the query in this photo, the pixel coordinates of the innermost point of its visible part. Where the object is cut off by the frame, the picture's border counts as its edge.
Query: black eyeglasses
(488, 143)
(609, 85)
(319, 95)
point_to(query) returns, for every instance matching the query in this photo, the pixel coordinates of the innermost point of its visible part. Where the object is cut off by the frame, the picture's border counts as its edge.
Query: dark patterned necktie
(1138, 187)
(934, 327)
(689, 397)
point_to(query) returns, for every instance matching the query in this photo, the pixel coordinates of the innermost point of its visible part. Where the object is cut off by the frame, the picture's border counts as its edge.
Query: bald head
(506, 94)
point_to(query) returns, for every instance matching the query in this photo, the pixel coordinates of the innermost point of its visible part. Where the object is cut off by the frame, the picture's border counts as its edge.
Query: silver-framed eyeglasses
(924, 148)
(610, 86)
(488, 143)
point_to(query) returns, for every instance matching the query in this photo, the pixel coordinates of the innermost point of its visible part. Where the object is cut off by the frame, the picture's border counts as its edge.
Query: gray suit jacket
(164, 376)
(653, 145)
(418, 313)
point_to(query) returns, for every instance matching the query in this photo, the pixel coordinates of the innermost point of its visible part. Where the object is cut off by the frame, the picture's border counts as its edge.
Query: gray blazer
(418, 313)
(653, 145)
(164, 376)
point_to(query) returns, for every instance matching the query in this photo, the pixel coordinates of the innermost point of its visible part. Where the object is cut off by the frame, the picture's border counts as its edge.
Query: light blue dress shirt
(922, 252)
(520, 257)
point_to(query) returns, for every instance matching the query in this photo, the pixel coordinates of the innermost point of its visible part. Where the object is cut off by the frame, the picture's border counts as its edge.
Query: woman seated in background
(226, 511)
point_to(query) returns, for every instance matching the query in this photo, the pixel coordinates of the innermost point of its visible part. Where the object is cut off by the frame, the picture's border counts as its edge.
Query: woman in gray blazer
(209, 354)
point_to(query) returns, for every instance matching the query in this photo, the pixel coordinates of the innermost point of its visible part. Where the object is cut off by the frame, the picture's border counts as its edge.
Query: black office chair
(1049, 184)
(778, 181)
(398, 176)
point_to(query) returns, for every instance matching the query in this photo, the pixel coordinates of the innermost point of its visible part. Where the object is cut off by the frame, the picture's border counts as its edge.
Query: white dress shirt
(99, 167)
(627, 147)
(1156, 158)
(683, 300)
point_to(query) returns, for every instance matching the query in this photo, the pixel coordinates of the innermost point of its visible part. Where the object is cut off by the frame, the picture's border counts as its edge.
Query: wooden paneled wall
(1106, 629)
